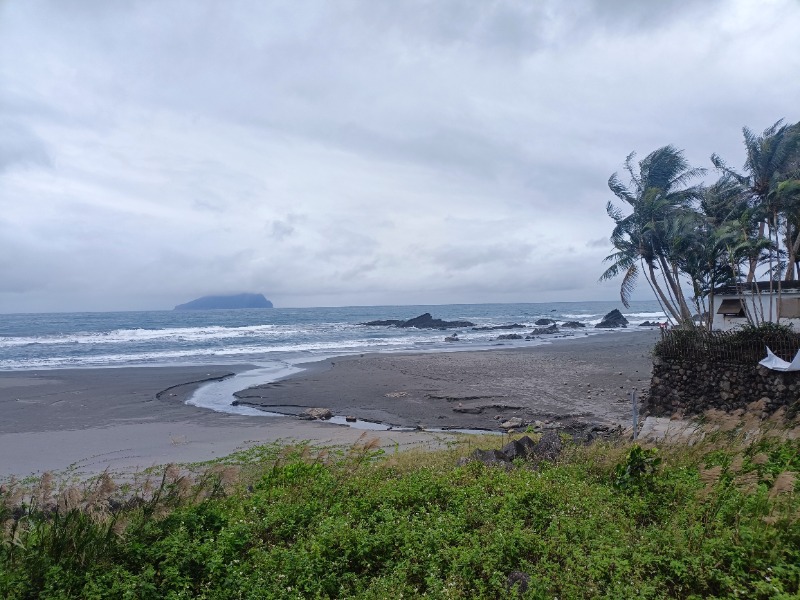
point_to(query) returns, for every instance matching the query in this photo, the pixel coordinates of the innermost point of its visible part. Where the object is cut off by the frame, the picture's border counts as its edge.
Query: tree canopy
(687, 237)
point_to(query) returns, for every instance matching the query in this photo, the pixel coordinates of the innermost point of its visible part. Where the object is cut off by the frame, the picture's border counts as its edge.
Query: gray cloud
(354, 153)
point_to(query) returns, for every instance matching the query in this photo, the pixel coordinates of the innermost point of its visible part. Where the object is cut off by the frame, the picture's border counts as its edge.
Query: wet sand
(587, 379)
(126, 418)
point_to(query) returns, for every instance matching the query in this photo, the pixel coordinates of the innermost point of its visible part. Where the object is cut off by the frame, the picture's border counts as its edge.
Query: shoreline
(135, 417)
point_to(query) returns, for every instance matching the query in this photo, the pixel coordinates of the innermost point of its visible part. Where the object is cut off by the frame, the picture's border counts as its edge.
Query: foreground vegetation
(718, 519)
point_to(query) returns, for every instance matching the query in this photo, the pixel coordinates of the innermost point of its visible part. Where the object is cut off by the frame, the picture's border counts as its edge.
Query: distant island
(227, 302)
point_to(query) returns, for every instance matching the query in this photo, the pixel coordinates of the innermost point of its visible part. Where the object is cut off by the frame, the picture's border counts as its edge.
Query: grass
(718, 519)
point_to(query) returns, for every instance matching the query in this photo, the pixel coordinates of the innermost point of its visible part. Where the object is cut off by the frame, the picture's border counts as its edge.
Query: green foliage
(604, 522)
(638, 470)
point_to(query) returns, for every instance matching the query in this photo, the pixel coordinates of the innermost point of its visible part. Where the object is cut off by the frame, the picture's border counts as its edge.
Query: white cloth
(778, 364)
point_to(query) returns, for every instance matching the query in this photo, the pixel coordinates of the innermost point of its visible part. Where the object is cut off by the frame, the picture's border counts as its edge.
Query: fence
(745, 346)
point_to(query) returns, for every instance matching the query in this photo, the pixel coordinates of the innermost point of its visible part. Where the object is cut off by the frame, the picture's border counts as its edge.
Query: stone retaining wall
(692, 386)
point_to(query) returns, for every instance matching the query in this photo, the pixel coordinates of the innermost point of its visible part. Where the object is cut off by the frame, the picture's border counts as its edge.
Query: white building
(731, 306)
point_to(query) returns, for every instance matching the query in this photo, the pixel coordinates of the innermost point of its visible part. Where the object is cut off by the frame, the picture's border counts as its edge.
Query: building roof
(761, 286)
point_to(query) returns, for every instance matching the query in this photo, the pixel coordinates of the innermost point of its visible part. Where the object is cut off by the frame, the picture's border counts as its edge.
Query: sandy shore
(587, 379)
(126, 418)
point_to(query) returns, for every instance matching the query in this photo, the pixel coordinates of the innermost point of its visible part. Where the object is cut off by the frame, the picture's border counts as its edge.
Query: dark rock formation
(226, 302)
(612, 320)
(649, 324)
(509, 336)
(573, 324)
(548, 448)
(548, 330)
(385, 323)
(543, 322)
(425, 321)
(496, 327)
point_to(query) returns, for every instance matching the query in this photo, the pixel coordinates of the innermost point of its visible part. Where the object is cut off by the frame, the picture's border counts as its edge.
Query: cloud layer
(358, 152)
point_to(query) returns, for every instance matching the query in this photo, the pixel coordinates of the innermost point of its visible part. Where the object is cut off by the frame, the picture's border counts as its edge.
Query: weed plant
(717, 519)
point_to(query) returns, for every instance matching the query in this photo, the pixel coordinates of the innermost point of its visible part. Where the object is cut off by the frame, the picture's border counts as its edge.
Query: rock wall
(692, 386)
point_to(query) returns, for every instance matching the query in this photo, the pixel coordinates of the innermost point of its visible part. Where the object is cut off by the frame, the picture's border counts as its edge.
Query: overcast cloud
(355, 151)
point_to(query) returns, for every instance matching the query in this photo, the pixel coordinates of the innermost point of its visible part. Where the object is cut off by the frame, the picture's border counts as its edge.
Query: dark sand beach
(126, 418)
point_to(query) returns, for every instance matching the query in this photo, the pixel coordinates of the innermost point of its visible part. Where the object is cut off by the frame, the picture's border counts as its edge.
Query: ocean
(275, 341)
(265, 337)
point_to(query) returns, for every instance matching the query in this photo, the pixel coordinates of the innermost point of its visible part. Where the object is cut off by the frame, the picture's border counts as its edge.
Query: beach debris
(322, 414)
(512, 422)
(612, 320)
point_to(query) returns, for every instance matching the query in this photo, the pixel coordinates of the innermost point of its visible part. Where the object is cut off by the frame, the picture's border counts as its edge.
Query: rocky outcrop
(424, 321)
(612, 320)
(548, 330)
(543, 322)
(573, 325)
(226, 302)
(509, 336)
(548, 448)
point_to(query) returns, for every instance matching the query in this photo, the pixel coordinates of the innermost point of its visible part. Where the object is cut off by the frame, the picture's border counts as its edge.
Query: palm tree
(647, 240)
(769, 157)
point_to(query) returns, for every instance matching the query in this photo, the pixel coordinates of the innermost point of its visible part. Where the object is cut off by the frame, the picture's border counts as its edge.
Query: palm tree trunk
(660, 292)
(751, 273)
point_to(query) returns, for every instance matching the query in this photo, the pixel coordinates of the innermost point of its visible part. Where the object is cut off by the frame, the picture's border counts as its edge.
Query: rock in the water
(495, 327)
(452, 338)
(612, 320)
(543, 322)
(317, 413)
(384, 323)
(573, 324)
(509, 336)
(350, 419)
(424, 321)
(511, 423)
(548, 330)
(227, 302)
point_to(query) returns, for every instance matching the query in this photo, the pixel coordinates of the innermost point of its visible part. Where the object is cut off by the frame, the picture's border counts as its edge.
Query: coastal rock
(573, 324)
(452, 338)
(511, 423)
(235, 301)
(496, 327)
(469, 410)
(424, 321)
(612, 320)
(521, 448)
(384, 323)
(549, 447)
(491, 458)
(548, 330)
(649, 324)
(317, 413)
(543, 322)
(350, 419)
(509, 336)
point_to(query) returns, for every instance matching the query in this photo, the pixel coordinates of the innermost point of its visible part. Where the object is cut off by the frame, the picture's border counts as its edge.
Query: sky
(355, 152)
